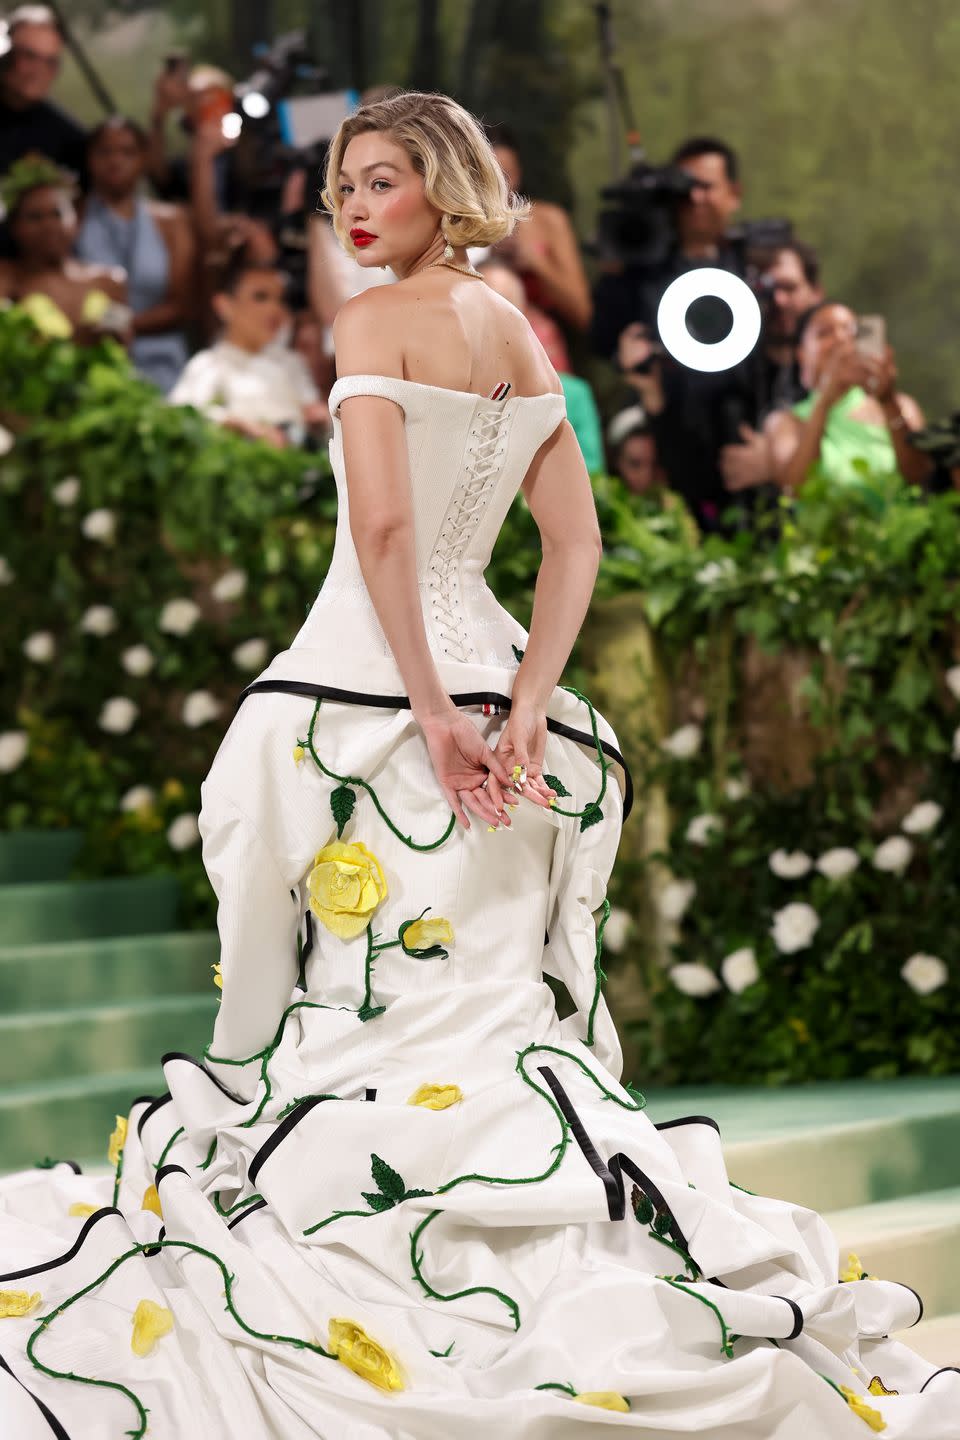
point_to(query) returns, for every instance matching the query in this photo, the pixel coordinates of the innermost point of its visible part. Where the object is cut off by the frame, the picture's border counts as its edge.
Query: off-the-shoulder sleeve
(382, 385)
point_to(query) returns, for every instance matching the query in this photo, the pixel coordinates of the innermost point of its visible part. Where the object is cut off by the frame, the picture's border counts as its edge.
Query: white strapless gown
(414, 1146)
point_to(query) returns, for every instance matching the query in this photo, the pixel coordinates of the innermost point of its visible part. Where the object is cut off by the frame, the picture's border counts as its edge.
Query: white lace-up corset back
(467, 457)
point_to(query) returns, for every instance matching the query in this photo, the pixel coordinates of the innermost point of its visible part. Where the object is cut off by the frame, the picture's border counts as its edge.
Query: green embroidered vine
(204, 1164)
(247, 1200)
(117, 1173)
(599, 973)
(658, 1223)
(726, 1336)
(417, 1261)
(442, 1354)
(168, 1147)
(591, 812)
(390, 1191)
(556, 1385)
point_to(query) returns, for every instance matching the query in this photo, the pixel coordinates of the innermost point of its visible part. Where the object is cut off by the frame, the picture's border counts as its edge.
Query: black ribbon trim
(74, 1250)
(192, 1060)
(166, 1170)
(402, 702)
(257, 1205)
(797, 1316)
(157, 1102)
(919, 1301)
(280, 1134)
(944, 1370)
(688, 1120)
(48, 1415)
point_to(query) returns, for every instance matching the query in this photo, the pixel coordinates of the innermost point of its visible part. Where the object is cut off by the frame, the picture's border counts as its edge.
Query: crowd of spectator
(229, 307)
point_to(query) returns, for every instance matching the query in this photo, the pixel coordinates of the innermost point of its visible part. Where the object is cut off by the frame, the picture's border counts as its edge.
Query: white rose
(692, 978)
(702, 828)
(739, 969)
(137, 660)
(618, 927)
(250, 655)
(68, 493)
(794, 927)
(178, 617)
(790, 864)
(100, 525)
(924, 973)
(6, 574)
(230, 586)
(952, 678)
(13, 750)
(714, 571)
(956, 743)
(6, 441)
(684, 743)
(675, 897)
(921, 818)
(198, 708)
(893, 855)
(138, 798)
(40, 647)
(183, 832)
(98, 620)
(118, 715)
(735, 789)
(838, 863)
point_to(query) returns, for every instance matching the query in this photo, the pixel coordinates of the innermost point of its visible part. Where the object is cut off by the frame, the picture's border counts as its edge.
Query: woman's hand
(469, 773)
(881, 372)
(522, 743)
(845, 368)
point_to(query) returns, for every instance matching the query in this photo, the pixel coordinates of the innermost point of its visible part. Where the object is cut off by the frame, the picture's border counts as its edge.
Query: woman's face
(385, 210)
(830, 328)
(116, 161)
(509, 162)
(44, 225)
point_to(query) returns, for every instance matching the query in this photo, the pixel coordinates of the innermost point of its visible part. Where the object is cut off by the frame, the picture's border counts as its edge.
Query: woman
(151, 241)
(415, 1168)
(854, 425)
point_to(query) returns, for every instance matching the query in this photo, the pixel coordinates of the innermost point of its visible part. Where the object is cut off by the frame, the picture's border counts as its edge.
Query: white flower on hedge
(739, 969)
(924, 973)
(956, 743)
(922, 818)
(893, 855)
(68, 492)
(251, 654)
(716, 570)
(7, 576)
(736, 789)
(838, 863)
(118, 715)
(684, 743)
(40, 647)
(139, 797)
(179, 616)
(6, 441)
(182, 832)
(100, 525)
(692, 978)
(675, 897)
(790, 864)
(230, 586)
(98, 620)
(618, 927)
(952, 678)
(199, 707)
(794, 927)
(138, 660)
(703, 828)
(13, 750)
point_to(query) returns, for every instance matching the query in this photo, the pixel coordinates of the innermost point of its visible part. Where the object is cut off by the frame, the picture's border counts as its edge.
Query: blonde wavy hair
(448, 147)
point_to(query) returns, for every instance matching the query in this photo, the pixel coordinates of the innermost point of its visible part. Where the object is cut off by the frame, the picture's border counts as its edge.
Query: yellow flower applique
(345, 885)
(860, 1407)
(425, 934)
(150, 1322)
(15, 1303)
(354, 1348)
(217, 975)
(877, 1387)
(603, 1400)
(151, 1200)
(298, 754)
(854, 1270)
(117, 1141)
(436, 1097)
(82, 1210)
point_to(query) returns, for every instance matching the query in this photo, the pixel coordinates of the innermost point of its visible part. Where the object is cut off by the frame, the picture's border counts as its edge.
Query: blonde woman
(403, 1200)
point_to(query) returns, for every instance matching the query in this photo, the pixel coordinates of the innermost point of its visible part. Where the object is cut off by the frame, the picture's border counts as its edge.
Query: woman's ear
(223, 307)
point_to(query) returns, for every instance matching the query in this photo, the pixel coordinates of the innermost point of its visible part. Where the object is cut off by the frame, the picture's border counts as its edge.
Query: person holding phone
(854, 425)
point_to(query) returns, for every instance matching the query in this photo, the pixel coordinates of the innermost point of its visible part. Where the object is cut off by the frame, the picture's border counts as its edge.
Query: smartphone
(871, 336)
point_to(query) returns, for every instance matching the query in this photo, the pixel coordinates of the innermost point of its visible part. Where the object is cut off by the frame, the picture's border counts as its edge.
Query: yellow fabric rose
(151, 1200)
(150, 1322)
(603, 1400)
(298, 754)
(353, 1347)
(117, 1141)
(346, 885)
(15, 1303)
(436, 1097)
(854, 1270)
(877, 1387)
(81, 1210)
(421, 934)
(217, 975)
(860, 1407)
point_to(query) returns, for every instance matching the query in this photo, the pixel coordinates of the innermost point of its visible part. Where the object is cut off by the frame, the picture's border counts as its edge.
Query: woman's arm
(553, 255)
(171, 312)
(902, 416)
(795, 444)
(324, 287)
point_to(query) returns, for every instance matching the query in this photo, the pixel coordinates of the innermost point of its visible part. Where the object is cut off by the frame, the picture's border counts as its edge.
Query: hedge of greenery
(786, 898)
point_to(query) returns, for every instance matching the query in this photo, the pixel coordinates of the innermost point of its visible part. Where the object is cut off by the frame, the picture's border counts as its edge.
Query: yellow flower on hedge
(14, 1303)
(172, 790)
(421, 934)
(877, 1387)
(436, 1097)
(96, 303)
(860, 1407)
(82, 1210)
(346, 885)
(47, 316)
(603, 1399)
(354, 1348)
(151, 1200)
(117, 1141)
(217, 975)
(150, 1322)
(298, 754)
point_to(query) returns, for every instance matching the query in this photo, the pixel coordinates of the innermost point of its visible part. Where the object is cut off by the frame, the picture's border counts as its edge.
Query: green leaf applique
(342, 801)
(592, 814)
(557, 785)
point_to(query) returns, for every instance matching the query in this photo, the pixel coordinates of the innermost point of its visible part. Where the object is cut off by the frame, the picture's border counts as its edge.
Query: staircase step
(915, 1239)
(937, 1340)
(55, 1044)
(68, 1119)
(37, 855)
(79, 972)
(77, 910)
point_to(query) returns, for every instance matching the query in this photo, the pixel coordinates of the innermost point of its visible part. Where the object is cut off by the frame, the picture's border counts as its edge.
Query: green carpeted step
(55, 1044)
(77, 910)
(84, 972)
(37, 855)
(915, 1239)
(68, 1119)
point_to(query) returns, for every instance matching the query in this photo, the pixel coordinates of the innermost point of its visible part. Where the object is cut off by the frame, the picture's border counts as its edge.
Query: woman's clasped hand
(485, 781)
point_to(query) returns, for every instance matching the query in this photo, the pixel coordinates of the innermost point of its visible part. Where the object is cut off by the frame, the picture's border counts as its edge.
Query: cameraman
(692, 414)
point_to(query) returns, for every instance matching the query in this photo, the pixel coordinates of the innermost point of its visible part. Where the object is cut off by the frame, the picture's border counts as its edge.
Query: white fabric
(523, 1264)
(271, 386)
